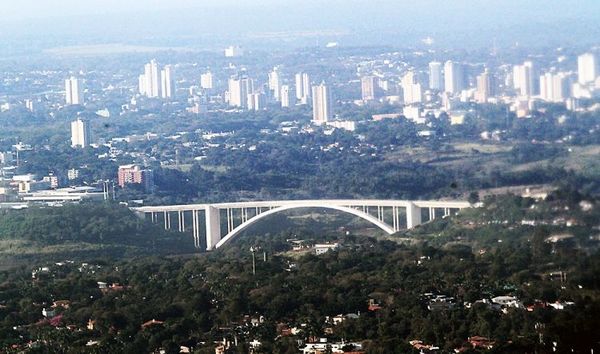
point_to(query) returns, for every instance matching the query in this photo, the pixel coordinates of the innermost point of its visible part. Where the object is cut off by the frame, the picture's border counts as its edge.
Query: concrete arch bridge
(390, 216)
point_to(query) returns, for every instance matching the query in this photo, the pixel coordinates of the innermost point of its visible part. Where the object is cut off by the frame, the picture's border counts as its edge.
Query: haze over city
(188, 23)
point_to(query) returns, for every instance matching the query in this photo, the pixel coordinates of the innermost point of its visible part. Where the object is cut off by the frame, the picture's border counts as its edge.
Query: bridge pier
(213, 226)
(413, 215)
(196, 228)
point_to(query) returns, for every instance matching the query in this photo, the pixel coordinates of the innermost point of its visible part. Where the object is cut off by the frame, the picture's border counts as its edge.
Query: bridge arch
(368, 217)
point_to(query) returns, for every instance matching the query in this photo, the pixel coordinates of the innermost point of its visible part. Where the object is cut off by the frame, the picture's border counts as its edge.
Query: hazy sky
(363, 21)
(24, 9)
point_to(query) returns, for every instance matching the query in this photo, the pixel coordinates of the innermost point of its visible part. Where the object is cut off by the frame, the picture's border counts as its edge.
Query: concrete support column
(183, 221)
(413, 215)
(196, 228)
(213, 226)
(446, 211)
(179, 221)
(431, 214)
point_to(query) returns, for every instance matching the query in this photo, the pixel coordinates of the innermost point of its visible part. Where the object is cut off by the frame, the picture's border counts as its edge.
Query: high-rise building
(133, 174)
(555, 87)
(435, 76)
(74, 91)
(485, 87)
(239, 89)
(234, 52)
(321, 98)
(299, 86)
(368, 88)
(285, 96)
(256, 101)
(142, 84)
(80, 133)
(167, 86)
(454, 77)
(206, 80)
(275, 83)
(524, 79)
(303, 88)
(152, 79)
(411, 88)
(587, 68)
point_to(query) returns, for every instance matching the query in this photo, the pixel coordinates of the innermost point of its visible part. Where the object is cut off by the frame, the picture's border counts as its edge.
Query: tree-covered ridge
(93, 223)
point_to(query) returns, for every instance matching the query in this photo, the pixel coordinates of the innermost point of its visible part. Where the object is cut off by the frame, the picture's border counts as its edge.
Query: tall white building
(435, 76)
(368, 86)
(555, 87)
(321, 98)
(587, 68)
(454, 77)
(275, 83)
(239, 89)
(485, 87)
(524, 79)
(303, 88)
(80, 133)
(411, 89)
(150, 83)
(234, 52)
(206, 80)
(256, 101)
(285, 96)
(74, 91)
(167, 84)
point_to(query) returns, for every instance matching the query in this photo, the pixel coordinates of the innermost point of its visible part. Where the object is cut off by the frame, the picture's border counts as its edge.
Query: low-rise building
(134, 174)
(326, 247)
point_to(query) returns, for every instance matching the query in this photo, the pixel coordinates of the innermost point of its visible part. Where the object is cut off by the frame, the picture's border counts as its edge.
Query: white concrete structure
(234, 52)
(275, 83)
(167, 84)
(150, 81)
(74, 91)
(385, 214)
(239, 89)
(206, 80)
(485, 87)
(524, 77)
(321, 97)
(555, 87)
(411, 89)
(303, 87)
(587, 68)
(368, 85)
(285, 96)
(435, 76)
(454, 77)
(80, 133)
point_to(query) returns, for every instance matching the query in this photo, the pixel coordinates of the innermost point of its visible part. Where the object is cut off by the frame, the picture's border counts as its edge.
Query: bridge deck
(310, 203)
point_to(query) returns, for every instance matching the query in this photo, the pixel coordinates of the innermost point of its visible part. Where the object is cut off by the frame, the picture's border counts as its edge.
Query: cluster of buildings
(243, 93)
(417, 89)
(442, 86)
(156, 82)
(18, 191)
